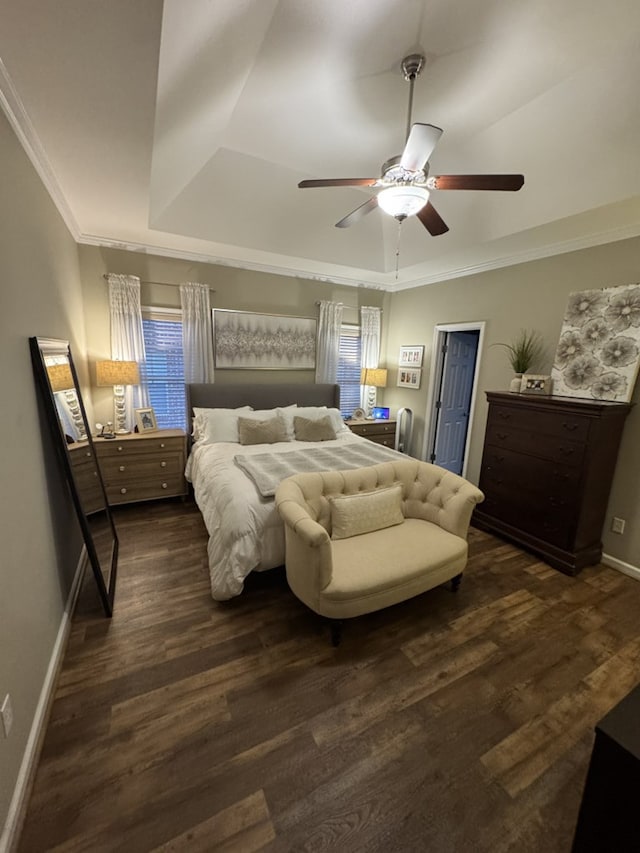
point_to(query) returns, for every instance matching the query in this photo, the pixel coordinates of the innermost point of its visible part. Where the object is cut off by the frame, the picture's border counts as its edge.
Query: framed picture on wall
(411, 356)
(244, 340)
(409, 377)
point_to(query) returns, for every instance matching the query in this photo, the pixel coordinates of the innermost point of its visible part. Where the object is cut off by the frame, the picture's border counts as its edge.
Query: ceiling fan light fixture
(403, 200)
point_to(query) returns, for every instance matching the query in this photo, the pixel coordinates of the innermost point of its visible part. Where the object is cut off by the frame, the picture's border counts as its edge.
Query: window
(349, 369)
(165, 366)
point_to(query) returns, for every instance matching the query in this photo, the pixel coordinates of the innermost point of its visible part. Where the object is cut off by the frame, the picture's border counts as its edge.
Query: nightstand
(143, 467)
(381, 432)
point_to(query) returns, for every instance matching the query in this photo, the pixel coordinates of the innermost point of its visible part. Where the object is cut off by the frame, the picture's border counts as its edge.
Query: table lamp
(373, 378)
(118, 374)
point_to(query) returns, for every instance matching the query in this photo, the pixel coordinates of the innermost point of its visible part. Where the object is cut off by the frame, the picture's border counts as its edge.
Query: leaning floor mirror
(57, 381)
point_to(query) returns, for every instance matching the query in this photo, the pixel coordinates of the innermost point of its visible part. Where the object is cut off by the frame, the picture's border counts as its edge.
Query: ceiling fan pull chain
(398, 248)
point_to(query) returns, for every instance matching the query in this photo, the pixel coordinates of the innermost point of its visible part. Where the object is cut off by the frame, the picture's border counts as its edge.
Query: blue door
(454, 400)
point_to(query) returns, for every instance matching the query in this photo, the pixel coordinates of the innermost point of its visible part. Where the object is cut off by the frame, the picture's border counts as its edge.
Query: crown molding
(23, 128)
(589, 241)
(236, 263)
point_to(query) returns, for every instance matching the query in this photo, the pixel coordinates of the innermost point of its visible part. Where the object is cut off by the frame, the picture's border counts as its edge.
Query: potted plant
(524, 352)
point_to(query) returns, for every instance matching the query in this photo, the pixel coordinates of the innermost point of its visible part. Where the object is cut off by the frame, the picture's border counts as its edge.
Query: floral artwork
(598, 353)
(244, 340)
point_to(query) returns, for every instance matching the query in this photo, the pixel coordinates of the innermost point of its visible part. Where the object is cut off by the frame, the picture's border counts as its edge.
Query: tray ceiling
(184, 127)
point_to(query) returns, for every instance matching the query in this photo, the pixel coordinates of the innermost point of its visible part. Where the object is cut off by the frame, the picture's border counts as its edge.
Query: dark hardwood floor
(448, 723)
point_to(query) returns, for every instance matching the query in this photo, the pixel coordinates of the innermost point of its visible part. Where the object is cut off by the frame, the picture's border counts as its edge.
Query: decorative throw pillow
(352, 515)
(313, 430)
(253, 431)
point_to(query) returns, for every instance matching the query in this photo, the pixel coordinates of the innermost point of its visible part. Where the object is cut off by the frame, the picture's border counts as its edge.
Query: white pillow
(213, 425)
(352, 515)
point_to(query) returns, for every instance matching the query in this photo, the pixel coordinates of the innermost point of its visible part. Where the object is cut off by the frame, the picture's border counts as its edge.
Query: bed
(233, 483)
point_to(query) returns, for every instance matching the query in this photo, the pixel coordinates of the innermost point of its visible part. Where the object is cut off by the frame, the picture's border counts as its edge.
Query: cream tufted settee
(360, 540)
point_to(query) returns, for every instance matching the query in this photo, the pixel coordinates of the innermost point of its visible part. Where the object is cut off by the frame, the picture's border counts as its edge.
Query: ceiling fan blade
(476, 182)
(338, 182)
(432, 220)
(357, 214)
(420, 144)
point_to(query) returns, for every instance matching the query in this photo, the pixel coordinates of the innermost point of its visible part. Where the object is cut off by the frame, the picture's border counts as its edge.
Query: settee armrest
(299, 520)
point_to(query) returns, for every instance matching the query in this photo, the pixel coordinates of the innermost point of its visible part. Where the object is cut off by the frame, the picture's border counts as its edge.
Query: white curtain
(127, 339)
(328, 344)
(197, 337)
(369, 350)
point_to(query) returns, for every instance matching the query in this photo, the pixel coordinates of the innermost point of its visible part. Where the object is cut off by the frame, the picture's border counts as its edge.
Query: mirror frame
(41, 347)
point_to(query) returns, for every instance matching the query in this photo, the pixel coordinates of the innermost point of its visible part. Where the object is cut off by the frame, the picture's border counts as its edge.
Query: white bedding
(245, 530)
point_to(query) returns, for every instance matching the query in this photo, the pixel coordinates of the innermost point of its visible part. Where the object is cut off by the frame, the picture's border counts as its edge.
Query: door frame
(435, 377)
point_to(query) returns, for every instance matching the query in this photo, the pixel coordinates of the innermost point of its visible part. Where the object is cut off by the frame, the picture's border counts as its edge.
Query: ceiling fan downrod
(412, 65)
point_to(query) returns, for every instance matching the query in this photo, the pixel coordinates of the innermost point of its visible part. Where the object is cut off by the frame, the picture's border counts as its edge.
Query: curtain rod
(355, 307)
(105, 276)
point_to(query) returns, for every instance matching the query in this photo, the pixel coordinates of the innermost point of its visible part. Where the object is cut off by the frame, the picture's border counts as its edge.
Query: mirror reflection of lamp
(373, 378)
(61, 381)
(118, 374)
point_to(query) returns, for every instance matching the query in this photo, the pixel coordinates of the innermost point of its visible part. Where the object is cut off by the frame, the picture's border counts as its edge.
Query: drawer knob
(162, 444)
(121, 468)
(163, 464)
(120, 448)
(502, 435)
(123, 491)
(504, 415)
(570, 427)
(164, 486)
(88, 453)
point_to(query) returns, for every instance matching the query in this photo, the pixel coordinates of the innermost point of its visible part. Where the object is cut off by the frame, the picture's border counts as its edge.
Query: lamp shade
(117, 373)
(60, 377)
(375, 376)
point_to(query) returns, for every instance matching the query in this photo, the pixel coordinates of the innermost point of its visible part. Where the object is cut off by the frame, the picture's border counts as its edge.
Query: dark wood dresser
(547, 468)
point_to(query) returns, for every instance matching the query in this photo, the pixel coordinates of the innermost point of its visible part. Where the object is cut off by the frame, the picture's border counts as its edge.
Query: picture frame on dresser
(146, 420)
(535, 383)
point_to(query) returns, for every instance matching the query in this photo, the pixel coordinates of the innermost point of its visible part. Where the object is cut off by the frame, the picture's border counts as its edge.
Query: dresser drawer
(575, 427)
(386, 440)
(146, 446)
(543, 520)
(369, 429)
(141, 467)
(520, 470)
(145, 490)
(528, 441)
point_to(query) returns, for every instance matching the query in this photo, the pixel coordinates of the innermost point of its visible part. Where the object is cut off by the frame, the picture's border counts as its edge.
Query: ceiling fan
(405, 183)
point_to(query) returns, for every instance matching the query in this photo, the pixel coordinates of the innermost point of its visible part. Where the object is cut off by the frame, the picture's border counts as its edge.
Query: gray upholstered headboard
(261, 396)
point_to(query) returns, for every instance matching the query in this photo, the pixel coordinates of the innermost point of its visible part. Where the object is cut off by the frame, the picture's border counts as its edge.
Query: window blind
(165, 368)
(348, 377)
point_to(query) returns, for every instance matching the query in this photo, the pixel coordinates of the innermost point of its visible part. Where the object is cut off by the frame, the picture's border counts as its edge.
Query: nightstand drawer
(146, 490)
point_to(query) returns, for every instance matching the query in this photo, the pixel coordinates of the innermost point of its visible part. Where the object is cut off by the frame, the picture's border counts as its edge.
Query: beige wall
(240, 290)
(41, 544)
(531, 295)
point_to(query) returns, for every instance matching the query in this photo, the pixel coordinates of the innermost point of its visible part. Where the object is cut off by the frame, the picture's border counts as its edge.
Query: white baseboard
(625, 568)
(9, 837)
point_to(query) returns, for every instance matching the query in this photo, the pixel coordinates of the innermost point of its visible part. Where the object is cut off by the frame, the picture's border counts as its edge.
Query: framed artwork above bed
(244, 340)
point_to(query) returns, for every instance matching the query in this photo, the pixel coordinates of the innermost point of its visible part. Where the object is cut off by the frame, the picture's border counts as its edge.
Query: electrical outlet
(6, 713)
(617, 525)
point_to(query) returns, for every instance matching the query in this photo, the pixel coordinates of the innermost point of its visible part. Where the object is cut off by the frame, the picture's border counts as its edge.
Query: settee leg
(455, 582)
(336, 631)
